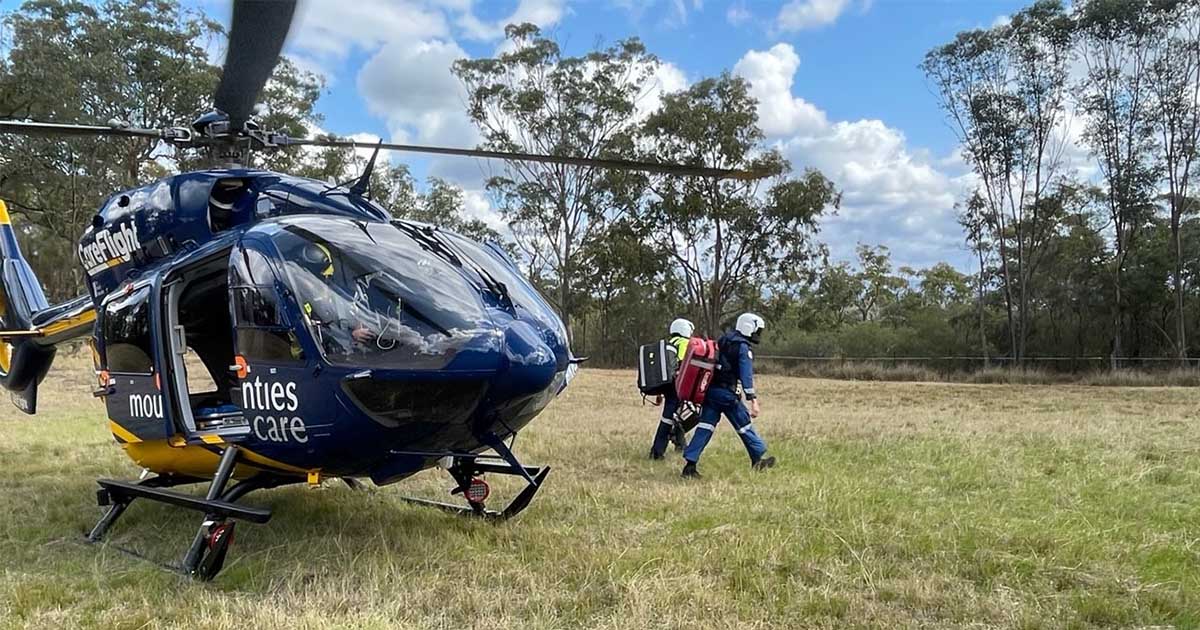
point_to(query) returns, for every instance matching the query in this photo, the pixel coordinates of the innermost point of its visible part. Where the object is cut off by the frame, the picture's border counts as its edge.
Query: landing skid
(206, 556)
(466, 466)
(477, 509)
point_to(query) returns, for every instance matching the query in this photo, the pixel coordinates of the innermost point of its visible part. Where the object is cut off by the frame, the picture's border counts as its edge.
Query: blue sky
(837, 80)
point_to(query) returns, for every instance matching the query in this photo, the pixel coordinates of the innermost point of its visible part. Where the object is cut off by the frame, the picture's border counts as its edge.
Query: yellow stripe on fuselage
(123, 433)
(194, 460)
(82, 319)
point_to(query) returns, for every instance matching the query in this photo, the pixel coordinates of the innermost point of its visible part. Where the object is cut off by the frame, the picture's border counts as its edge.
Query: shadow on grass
(311, 531)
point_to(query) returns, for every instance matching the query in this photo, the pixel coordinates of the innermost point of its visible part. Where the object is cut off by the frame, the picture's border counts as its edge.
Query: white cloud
(409, 83)
(667, 78)
(671, 13)
(892, 194)
(333, 29)
(799, 15)
(544, 13)
(770, 74)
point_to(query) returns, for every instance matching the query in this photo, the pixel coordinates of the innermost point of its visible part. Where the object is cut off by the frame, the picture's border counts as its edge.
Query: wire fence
(961, 363)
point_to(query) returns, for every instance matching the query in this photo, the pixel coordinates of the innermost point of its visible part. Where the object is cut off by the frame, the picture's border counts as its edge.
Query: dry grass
(895, 505)
(908, 372)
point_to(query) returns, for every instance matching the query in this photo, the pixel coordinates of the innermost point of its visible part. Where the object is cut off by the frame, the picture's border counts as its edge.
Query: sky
(837, 81)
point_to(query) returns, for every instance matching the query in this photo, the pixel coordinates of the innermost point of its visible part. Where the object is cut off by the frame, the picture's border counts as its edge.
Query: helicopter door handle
(180, 340)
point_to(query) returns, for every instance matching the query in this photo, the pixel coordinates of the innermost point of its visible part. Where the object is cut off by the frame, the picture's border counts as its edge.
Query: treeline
(1100, 252)
(1080, 125)
(1082, 128)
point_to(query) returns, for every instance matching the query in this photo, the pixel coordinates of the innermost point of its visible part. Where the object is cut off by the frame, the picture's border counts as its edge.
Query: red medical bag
(696, 370)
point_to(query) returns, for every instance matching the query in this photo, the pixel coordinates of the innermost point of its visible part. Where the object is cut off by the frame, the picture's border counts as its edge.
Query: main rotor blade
(256, 37)
(56, 129)
(625, 165)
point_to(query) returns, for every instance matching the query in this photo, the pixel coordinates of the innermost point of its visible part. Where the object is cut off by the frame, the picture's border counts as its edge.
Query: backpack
(696, 371)
(657, 363)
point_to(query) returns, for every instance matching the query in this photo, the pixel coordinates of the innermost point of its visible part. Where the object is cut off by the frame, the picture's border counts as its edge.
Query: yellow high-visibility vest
(681, 344)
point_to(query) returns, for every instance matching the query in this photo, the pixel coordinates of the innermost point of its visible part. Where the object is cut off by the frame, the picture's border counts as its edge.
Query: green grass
(895, 505)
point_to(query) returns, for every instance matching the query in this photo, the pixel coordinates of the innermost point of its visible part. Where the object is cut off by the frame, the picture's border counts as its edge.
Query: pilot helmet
(317, 259)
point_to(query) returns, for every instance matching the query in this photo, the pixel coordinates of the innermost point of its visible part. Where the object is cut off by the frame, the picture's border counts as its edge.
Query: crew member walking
(681, 330)
(734, 363)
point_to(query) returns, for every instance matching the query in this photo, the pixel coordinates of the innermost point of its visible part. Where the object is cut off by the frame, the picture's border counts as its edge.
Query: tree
(532, 98)
(1175, 103)
(1114, 96)
(632, 296)
(1004, 90)
(972, 219)
(877, 287)
(835, 294)
(724, 236)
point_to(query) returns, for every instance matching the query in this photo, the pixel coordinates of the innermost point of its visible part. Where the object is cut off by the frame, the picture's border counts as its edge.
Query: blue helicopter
(329, 339)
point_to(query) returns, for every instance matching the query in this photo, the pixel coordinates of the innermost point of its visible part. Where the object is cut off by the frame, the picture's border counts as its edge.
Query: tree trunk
(1180, 327)
(983, 345)
(1118, 311)
(1008, 298)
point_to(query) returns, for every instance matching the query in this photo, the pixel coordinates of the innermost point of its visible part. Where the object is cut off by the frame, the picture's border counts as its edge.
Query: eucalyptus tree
(531, 97)
(1115, 40)
(1175, 103)
(728, 238)
(1004, 90)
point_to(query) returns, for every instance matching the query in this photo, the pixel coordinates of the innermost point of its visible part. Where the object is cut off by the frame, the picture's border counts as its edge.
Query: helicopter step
(206, 556)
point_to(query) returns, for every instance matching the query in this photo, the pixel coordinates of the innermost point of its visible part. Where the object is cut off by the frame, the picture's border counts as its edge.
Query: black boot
(678, 438)
(764, 463)
(655, 455)
(690, 472)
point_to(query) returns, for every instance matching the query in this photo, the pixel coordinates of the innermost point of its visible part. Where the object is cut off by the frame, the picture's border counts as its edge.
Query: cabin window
(126, 328)
(263, 333)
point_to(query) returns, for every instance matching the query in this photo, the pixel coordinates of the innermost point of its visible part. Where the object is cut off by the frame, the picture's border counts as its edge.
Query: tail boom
(30, 327)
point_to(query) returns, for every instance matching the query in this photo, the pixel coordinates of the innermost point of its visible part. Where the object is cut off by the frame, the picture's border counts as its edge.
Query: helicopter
(337, 342)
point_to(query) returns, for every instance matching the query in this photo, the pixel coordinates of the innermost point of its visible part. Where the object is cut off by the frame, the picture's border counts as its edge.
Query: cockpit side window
(263, 333)
(372, 297)
(128, 348)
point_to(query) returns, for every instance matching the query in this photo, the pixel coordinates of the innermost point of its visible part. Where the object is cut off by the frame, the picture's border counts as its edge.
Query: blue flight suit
(735, 363)
(666, 424)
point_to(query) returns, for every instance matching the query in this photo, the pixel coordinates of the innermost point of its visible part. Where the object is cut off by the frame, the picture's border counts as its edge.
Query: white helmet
(682, 327)
(751, 326)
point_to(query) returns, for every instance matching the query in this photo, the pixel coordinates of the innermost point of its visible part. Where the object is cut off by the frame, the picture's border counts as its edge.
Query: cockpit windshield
(373, 298)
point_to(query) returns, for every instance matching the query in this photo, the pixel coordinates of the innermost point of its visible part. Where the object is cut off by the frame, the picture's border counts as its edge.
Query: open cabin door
(199, 346)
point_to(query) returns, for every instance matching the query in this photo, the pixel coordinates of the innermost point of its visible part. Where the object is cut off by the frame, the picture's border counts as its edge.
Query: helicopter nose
(531, 363)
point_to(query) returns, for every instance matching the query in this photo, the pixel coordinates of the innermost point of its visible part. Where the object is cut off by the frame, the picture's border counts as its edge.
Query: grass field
(894, 505)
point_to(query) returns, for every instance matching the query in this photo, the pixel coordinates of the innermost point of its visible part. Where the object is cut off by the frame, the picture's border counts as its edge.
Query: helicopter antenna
(363, 183)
